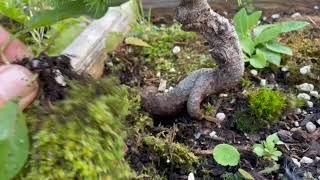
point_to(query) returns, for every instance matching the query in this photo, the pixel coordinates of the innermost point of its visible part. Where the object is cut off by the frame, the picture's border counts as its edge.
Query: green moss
(264, 109)
(81, 137)
(176, 152)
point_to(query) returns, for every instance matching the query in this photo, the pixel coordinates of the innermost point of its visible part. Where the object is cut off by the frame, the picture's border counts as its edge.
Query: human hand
(16, 80)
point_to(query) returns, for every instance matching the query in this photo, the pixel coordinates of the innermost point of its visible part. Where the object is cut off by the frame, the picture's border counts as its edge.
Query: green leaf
(253, 19)
(268, 34)
(258, 149)
(293, 25)
(12, 12)
(279, 48)
(14, 148)
(257, 31)
(241, 21)
(226, 155)
(245, 174)
(273, 138)
(258, 60)
(272, 57)
(136, 42)
(50, 17)
(247, 44)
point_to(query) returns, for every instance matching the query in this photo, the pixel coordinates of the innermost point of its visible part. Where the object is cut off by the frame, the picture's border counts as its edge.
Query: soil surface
(134, 72)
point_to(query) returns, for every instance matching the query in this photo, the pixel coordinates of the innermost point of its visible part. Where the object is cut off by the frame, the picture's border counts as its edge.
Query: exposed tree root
(197, 16)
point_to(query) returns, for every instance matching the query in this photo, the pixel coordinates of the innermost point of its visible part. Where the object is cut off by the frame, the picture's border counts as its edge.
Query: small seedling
(267, 149)
(226, 155)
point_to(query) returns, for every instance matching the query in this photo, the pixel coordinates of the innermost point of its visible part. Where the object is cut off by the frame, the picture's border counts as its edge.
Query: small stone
(176, 50)
(264, 18)
(311, 127)
(275, 16)
(221, 116)
(263, 82)
(197, 135)
(306, 160)
(213, 134)
(304, 96)
(317, 158)
(314, 94)
(296, 124)
(285, 69)
(296, 162)
(158, 74)
(316, 7)
(318, 121)
(225, 13)
(191, 176)
(254, 72)
(297, 14)
(305, 70)
(170, 88)
(298, 111)
(172, 70)
(223, 95)
(305, 87)
(310, 104)
(168, 161)
(163, 85)
(59, 78)
(304, 112)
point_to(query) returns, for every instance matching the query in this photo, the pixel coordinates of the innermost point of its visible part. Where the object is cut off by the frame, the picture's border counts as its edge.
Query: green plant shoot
(267, 149)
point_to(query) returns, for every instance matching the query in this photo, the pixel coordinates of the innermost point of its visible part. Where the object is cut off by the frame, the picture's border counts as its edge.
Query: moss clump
(264, 109)
(176, 152)
(81, 137)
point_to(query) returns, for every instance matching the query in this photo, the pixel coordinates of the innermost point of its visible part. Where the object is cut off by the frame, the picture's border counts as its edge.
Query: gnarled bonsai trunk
(196, 15)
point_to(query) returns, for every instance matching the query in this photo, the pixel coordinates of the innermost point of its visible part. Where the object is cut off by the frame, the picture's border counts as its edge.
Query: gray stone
(306, 160)
(311, 127)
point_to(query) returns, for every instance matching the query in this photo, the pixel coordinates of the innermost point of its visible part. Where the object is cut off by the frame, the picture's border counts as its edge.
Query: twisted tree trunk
(197, 16)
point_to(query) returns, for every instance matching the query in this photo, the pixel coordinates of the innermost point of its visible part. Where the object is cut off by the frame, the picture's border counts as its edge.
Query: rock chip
(305, 87)
(310, 104)
(191, 176)
(176, 50)
(311, 127)
(263, 82)
(275, 16)
(306, 160)
(254, 72)
(305, 70)
(304, 96)
(296, 162)
(221, 116)
(314, 94)
(297, 14)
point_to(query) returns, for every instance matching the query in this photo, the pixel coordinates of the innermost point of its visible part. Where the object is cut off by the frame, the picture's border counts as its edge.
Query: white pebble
(306, 160)
(223, 95)
(304, 112)
(176, 50)
(296, 162)
(170, 88)
(296, 124)
(191, 176)
(310, 104)
(275, 16)
(213, 134)
(172, 70)
(197, 135)
(59, 78)
(264, 18)
(158, 74)
(318, 121)
(162, 86)
(297, 14)
(298, 111)
(316, 7)
(311, 127)
(305, 70)
(305, 87)
(285, 69)
(221, 116)
(263, 82)
(304, 96)
(254, 72)
(314, 94)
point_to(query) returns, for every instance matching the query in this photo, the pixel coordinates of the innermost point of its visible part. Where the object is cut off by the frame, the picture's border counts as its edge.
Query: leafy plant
(259, 43)
(226, 155)
(14, 141)
(267, 149)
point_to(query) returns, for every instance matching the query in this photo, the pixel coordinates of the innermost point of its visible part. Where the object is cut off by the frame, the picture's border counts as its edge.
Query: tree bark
(197, 16)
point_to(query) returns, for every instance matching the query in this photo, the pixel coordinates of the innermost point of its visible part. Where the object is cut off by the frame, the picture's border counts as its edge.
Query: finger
(16, 81)
(15, 50)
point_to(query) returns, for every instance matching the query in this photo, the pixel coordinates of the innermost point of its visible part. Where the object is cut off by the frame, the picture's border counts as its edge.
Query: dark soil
(48, 70)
